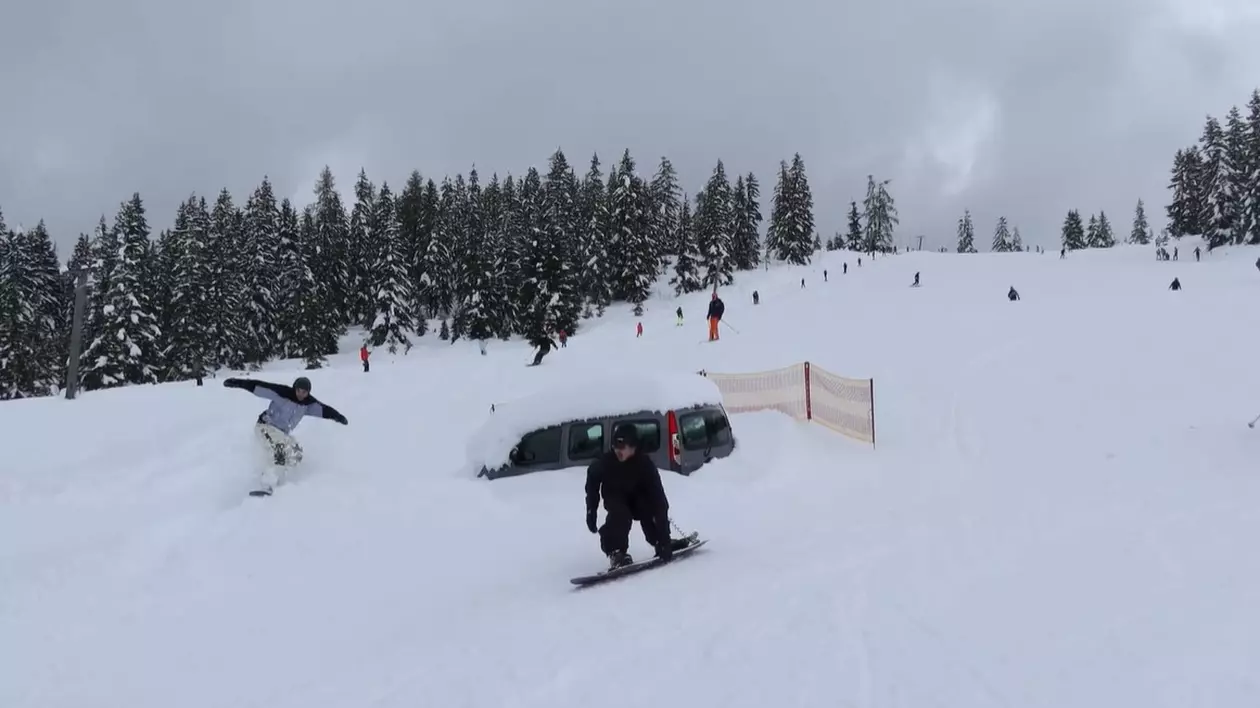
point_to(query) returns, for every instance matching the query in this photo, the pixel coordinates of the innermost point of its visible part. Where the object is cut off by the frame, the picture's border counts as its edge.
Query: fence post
(872, 412)
(809, 405)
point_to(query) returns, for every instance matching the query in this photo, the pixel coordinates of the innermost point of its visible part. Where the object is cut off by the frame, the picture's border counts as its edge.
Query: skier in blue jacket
(289, 404)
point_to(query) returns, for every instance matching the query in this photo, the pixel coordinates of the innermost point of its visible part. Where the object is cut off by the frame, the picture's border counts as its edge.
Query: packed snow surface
(617, 391)
(1061, 511)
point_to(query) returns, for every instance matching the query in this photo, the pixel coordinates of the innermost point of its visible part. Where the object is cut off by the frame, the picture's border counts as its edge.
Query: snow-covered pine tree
(125, 348)
(1091, 232)
(486, 306)
(666, 210)
(792, 217)
(1073, 231)
(1104, 237)
(853, 240)
(747, 242)
(966, 233)
(1239, 159)
(32, 356)
(463, 249)
(630, 244)
(596, 273)
(712, 224)
(8, 314)
(183, 336)
(362, 252)
(1001, 237)
(1183, 211)
(80, 262)
(1217, 181)
(532, 320)
(329, 258)
(513, 254)
(561, 219)
(1140, 233)
(313, 323)
(438, 265)
(228, 328)
(1251, 198)
(393, 320)
(1017, 241)
(881, 217)
(105, 248)
(416, 207)
(261, 271)
(289, 274)
(687, 265)
(168, 255)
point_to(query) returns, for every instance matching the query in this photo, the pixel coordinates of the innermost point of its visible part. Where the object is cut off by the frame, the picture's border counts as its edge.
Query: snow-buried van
(682, 425)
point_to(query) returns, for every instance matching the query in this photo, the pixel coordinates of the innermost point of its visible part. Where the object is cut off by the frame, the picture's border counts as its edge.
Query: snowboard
(587, 580)
(260, 493)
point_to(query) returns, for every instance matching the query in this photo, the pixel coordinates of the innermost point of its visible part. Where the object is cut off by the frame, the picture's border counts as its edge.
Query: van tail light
(675, 448)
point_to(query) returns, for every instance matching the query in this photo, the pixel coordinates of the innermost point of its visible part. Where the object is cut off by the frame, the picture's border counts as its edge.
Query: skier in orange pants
(716, 309)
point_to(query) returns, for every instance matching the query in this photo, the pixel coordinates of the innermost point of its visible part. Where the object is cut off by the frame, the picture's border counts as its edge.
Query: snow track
(1060, 513)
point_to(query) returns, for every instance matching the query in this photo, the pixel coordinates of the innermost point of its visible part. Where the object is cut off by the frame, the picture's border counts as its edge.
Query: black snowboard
(260, 493)
(633, 568)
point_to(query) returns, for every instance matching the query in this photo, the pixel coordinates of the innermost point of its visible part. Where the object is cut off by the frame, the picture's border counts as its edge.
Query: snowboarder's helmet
(302, 383)
(626, 434)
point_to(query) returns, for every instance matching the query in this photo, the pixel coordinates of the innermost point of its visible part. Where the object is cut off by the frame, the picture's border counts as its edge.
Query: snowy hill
(1061, 511)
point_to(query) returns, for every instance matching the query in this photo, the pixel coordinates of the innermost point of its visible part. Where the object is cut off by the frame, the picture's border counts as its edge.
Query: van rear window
(704, 429)
(649, 434)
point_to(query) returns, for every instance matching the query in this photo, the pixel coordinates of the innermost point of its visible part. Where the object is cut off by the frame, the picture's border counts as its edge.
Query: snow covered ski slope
(1061, 512)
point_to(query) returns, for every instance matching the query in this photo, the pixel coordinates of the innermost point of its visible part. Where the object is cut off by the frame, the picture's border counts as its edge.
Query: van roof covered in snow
(584, 399)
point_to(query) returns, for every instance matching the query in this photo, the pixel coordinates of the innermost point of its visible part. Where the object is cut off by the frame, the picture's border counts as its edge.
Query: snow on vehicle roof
(490, 446)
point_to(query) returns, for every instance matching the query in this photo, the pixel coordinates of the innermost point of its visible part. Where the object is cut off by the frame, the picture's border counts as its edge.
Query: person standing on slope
(631, 487)
(717, 308)
(289, 404)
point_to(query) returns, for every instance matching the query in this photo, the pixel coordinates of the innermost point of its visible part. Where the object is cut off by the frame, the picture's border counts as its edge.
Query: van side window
(649, 434)
(695, 430)
(718, 426)
(586, 441)
(541, 447)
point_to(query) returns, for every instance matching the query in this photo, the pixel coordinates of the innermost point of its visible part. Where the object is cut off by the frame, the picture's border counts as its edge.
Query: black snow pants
(614, 535)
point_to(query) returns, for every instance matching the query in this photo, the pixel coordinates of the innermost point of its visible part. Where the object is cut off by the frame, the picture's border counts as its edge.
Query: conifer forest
(231, 285)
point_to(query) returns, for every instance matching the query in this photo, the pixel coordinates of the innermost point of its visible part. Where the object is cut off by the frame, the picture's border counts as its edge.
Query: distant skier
(638, 330)
(289, 404)
(363, 356)
(824, 275)
(802, 283)
(544, 344)
(564, 338)
(846, 269)
(1012, 295)
(717, 308)
(631, 487)
(1196, 254)
(680, 317)
(1176, 285)
(757, 296)
(915, 284)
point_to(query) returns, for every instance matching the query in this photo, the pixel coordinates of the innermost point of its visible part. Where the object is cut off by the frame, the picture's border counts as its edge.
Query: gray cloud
(1014, 107)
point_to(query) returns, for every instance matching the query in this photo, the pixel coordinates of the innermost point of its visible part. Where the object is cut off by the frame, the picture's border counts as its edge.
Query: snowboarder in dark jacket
(274, 428)
(631, 487)
(1012, 295)
(1176, 284)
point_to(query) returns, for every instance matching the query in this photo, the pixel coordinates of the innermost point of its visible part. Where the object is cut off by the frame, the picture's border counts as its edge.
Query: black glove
(341, 419)
(590, 521)
(233, 383)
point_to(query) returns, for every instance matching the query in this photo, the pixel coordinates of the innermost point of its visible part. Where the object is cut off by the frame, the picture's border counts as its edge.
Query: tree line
(232, 285)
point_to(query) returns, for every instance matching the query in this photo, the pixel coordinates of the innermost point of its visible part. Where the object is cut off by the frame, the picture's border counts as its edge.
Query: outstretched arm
(327, 412)
(262, 389)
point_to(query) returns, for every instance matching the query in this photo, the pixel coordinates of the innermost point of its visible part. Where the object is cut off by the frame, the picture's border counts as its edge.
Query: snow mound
(615, 394)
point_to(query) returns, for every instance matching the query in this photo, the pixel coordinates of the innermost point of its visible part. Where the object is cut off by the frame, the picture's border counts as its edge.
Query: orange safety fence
(805, 392)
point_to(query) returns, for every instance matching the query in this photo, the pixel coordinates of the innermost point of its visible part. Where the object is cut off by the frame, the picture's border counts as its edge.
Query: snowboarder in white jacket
(289, 404)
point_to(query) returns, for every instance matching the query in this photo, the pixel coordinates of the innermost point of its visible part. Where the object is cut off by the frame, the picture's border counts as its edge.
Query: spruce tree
(561, 240)
(1073, 231)
(290, 274)
(1140, 233)
(713, 223)
(182, 335)
(687, 265)
(1017, 242)
(1250, 202)
(362, 251)
(853, 240)
(1001, 237)
(1104, 237)
(229, 331)
(313, 324)
(596, 272)
(747, 242)
(513, 250)
(1091, 232)
(1217, 182)
(329, 259)
(391, 288)
(125, 348)
(487, 304)
(260, 270)
(32, 341)
(438, 264)
(629, 243)
(791, 228)
(666, 210)
(1239, 180)
(881, 217)
(415, 228)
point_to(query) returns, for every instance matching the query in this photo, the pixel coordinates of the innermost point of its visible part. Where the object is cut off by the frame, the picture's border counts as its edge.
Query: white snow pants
(282, 453)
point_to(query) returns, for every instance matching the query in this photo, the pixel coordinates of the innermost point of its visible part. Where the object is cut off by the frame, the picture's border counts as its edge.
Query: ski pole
(728, 326)
(1253, 422)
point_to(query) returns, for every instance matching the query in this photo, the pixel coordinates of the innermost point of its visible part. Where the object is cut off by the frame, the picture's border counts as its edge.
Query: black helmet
(626, 434)
(302, 383)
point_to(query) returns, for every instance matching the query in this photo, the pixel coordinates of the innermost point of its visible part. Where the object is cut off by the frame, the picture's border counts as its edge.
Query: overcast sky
(1017, 107)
